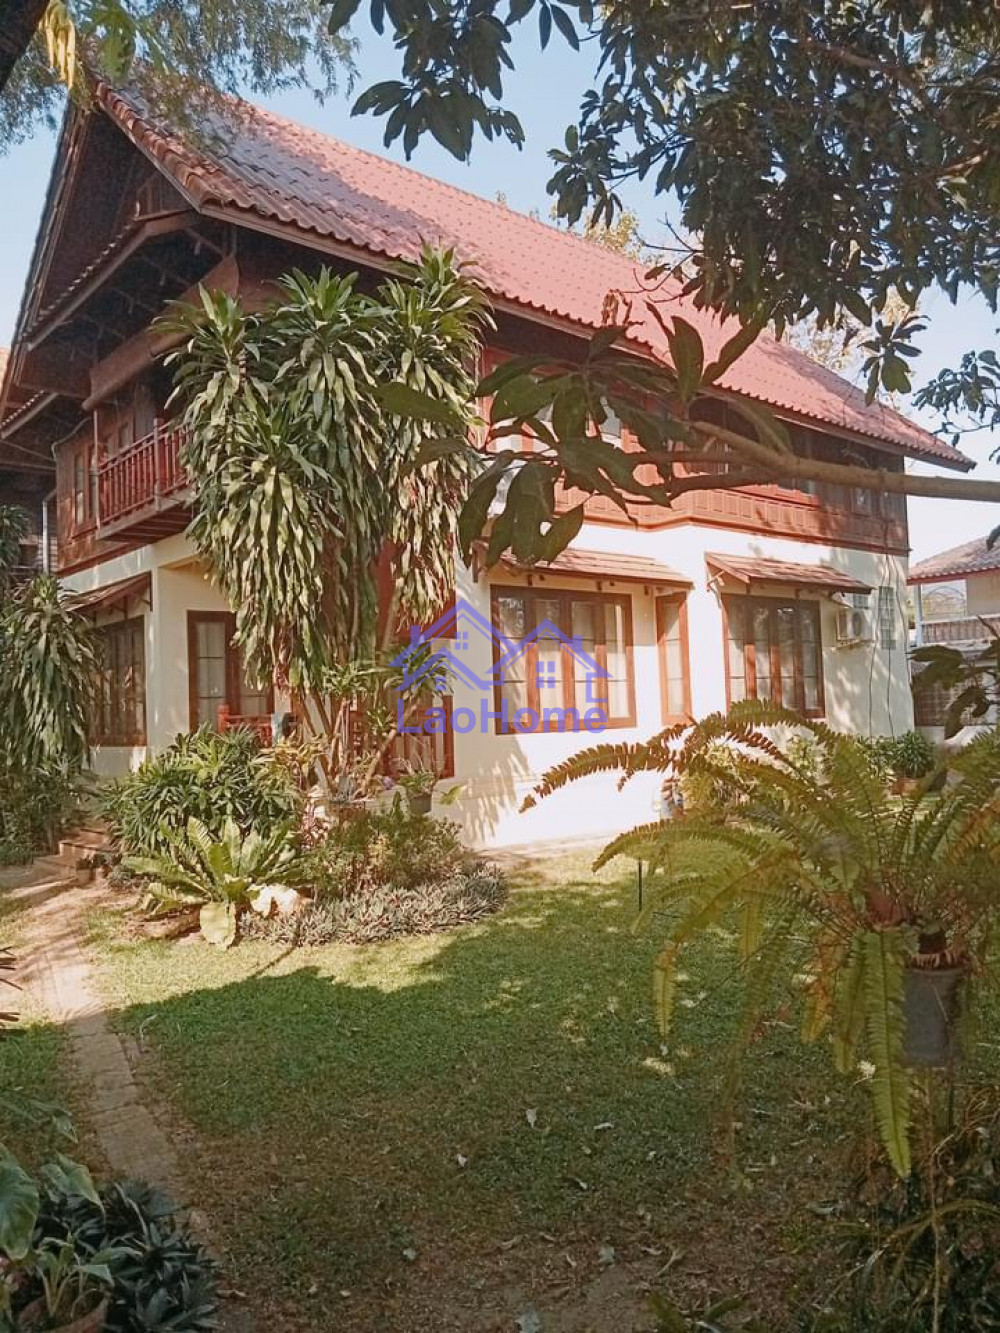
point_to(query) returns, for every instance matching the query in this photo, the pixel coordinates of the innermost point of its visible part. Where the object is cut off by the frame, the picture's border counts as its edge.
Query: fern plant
(219, 875)
(820, 862)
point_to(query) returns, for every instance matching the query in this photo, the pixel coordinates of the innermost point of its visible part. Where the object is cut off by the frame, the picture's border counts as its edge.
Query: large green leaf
(18, 1208)
(218, 923)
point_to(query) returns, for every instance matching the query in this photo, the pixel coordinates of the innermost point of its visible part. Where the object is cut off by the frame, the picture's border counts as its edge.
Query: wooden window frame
(117, 630)
(678, 599)
(82, 456)
(750, 603)
(232, 666)
(568, 689)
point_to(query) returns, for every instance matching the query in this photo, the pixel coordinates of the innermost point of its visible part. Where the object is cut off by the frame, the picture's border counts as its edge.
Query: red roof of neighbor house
(751, 571)
(266, 168)
(973, 557)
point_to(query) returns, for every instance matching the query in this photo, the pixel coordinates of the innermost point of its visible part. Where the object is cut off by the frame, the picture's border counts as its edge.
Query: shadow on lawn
(438, 1098)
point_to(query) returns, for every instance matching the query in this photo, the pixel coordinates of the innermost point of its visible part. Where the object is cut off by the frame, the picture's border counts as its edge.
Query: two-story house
(793, 593)
(956, 601)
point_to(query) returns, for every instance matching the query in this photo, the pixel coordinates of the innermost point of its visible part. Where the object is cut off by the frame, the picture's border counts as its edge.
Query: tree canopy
(822, 154)
(826, 161)
(179, 51)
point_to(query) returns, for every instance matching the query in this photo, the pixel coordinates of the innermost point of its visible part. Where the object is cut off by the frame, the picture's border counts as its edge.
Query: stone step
(58, 870)
(83, 842)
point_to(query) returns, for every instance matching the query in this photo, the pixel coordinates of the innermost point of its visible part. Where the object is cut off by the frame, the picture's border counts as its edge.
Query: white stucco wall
(982, 594)
(866, 687)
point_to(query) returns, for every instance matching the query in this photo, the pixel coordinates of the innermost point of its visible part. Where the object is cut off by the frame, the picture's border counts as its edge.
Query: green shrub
(208, 776)
(37, 806)
(390, 848)
(163, 1280)
(386, 913)
(911, 755)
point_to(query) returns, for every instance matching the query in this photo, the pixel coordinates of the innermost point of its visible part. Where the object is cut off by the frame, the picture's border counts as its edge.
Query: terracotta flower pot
(419, 802)
(931, 1006)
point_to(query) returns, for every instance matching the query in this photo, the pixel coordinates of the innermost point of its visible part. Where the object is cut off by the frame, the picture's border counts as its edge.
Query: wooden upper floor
(85, 411)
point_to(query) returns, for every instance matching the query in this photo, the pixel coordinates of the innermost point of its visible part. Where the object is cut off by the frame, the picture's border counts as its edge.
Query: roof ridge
(318, 184)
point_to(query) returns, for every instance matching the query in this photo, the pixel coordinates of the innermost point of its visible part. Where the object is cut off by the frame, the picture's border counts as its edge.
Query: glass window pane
(616, 659)
(735, 620)
(762, 650)
(786, 618)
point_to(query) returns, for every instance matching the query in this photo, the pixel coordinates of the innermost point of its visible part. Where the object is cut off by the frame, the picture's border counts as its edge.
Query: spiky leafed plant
(47, 675)
(13, 530)
(302, 477)
(837, 885)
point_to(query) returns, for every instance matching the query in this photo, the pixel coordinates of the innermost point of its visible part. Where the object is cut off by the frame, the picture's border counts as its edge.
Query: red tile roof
(257, 163)
(605, 565)
(750, 571)
(970, 558)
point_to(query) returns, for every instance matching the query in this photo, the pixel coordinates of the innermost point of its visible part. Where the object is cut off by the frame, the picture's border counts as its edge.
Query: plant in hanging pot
(877, 912)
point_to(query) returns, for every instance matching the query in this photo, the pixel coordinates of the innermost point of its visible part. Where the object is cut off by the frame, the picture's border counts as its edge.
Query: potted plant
(907, 759)
(418, 783)
(875, 911)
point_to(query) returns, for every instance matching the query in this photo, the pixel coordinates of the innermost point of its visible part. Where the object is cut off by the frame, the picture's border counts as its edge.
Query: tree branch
(846, 474)
(19, 20)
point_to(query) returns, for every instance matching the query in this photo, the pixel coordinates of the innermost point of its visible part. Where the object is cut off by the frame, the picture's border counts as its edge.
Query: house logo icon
(429, 671)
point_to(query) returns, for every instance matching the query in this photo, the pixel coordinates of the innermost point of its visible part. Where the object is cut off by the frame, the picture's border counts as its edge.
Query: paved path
(54, 967)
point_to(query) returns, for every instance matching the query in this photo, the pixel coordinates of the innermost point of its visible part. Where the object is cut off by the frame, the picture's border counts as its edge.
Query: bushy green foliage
(385, 874)
(163, 1280)
(47, 673)
(220, 876)
(37, 806)
(921, 1255)
(389, 848)
(209, 776)
(836, 886)
(911, 755)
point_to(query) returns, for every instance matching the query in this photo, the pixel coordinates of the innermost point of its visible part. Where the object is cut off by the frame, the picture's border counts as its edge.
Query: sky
(545, 93)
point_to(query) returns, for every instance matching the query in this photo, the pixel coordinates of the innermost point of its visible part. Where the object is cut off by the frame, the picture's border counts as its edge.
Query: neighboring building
(956, 601)
(790, 592)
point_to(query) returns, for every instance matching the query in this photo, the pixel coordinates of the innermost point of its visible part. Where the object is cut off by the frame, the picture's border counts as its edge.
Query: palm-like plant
(47, 675)
(839, 887)
(220, 876)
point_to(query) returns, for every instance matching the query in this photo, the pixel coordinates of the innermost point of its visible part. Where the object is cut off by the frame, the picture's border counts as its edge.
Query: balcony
(958, 629)
(142, 489)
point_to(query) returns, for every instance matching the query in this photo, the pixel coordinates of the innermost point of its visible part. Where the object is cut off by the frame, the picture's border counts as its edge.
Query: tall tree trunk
(19, 20)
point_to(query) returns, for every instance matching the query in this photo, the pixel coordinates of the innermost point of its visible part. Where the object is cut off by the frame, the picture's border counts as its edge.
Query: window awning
(756, 573)
(112, 594)
(613, 567)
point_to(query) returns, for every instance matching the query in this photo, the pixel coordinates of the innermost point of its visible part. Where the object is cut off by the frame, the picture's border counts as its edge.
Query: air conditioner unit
(853, 625)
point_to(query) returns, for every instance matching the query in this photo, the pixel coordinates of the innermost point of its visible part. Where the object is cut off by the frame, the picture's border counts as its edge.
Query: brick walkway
(53, 966)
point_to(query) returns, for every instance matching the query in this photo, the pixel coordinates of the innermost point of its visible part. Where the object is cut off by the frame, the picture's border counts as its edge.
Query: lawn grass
(434, 1133)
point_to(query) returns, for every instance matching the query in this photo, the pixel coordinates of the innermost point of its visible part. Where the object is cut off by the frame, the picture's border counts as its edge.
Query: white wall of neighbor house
(866, 687)
(982, 594)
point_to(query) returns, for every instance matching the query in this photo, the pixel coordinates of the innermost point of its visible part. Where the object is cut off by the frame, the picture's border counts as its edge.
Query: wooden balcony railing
(140, 477)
